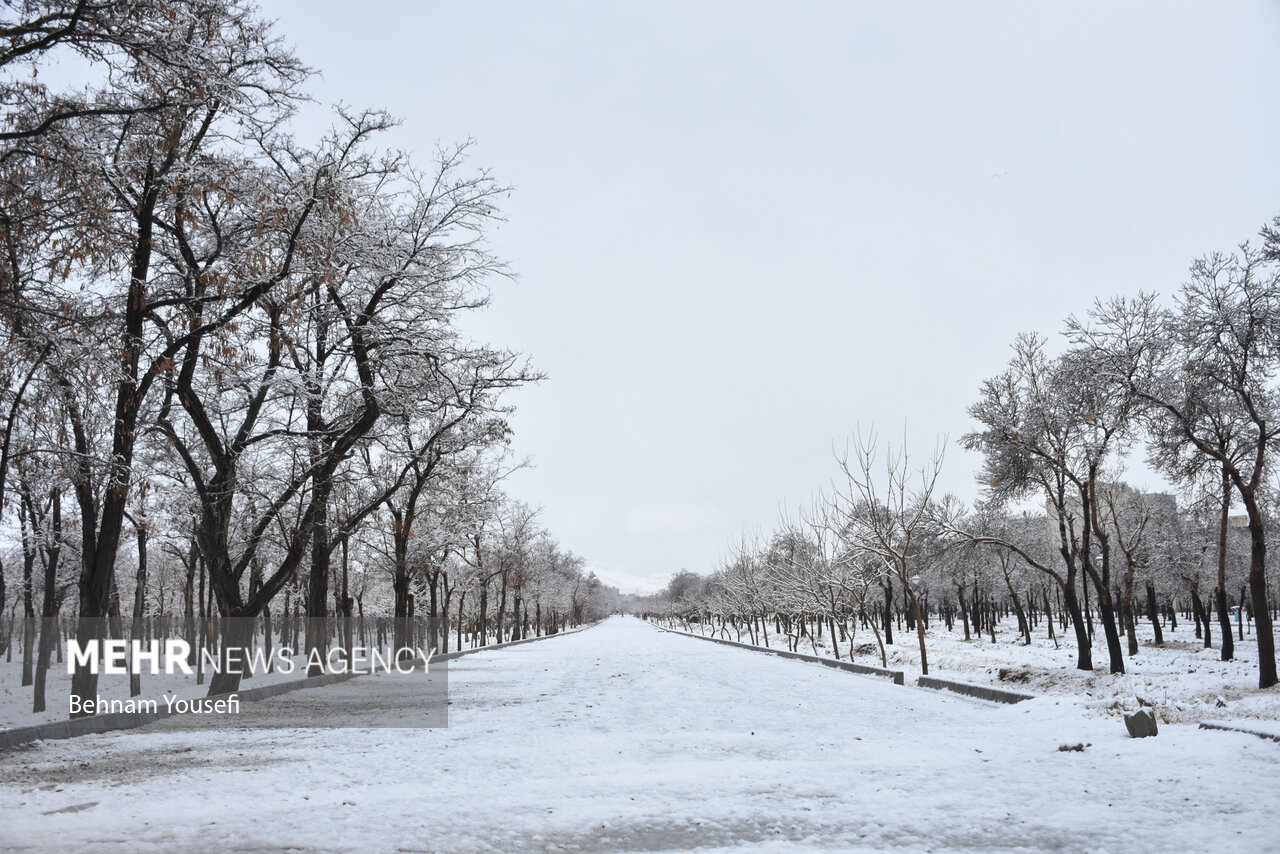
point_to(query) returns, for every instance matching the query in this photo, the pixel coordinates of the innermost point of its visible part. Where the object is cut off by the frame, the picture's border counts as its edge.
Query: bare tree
(889, 518)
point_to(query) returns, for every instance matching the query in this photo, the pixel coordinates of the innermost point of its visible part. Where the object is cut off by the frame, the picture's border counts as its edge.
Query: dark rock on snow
(1141, 724)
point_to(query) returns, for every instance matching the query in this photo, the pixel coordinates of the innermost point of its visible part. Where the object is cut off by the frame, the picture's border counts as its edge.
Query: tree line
(1057, 537)
(240, 356)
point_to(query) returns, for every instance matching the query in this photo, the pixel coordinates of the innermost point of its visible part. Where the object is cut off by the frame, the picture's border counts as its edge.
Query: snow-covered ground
(15, 700)
(1185, 682)
(624, 738)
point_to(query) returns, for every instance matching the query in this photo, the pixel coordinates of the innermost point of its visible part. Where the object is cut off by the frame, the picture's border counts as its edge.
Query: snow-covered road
(624, 738)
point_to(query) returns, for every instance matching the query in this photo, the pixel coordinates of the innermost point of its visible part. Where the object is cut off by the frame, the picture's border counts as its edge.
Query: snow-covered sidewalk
(624, 738)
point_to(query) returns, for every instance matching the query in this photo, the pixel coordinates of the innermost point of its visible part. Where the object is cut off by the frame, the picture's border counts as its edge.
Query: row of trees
(1191, 383)
(238, 351)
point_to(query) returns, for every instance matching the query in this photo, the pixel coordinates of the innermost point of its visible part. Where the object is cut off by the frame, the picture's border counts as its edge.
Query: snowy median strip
(898, 676)
(981, 692)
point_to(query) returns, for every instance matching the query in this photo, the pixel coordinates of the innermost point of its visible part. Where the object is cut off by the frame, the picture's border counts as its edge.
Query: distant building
(1158, 504)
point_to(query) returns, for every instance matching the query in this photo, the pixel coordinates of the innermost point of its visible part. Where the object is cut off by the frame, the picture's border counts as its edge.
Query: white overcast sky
(743, 229)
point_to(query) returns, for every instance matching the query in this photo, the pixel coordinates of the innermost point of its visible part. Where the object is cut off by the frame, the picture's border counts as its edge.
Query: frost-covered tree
(890, 518)
(99, 176)
(1206, 370)
(1047, 431)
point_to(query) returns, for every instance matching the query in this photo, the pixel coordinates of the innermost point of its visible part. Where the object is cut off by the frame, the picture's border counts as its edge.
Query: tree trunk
(502, 606)
(1202, 618)
(318, 593)
(364, 635)
(29, 618)
(1258, 597)
(1106, 612)
(48, 637)
(347, 644)
(915, 605)
(446, 598)
(1154, 612)
(49, 632)
(400, 623)
(1220, 592)
(139, 605)
(1048, 615)
(1084, 648)
(1024, 625)
(433, 615)
(1224, 622)
(233, 656)
(1131, 630)
(202, 639)
(888, 612)
(1088, 612)
(188, 603)
(266, 638)
(462, 597)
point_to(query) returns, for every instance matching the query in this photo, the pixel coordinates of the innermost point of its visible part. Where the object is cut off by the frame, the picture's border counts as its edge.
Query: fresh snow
(15, 700)
(625, 738)
(1186, 682)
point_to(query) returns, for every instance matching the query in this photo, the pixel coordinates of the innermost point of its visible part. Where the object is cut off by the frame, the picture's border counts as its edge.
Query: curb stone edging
(898, 676)
(1269, 736)
(458, 653)
(112, 721)
(981, 692)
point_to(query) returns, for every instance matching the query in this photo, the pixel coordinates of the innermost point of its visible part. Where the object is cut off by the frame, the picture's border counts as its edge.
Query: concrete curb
(898, 676)
(981, 692)
(1269, 736)
(99, 724)
(450, 656)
